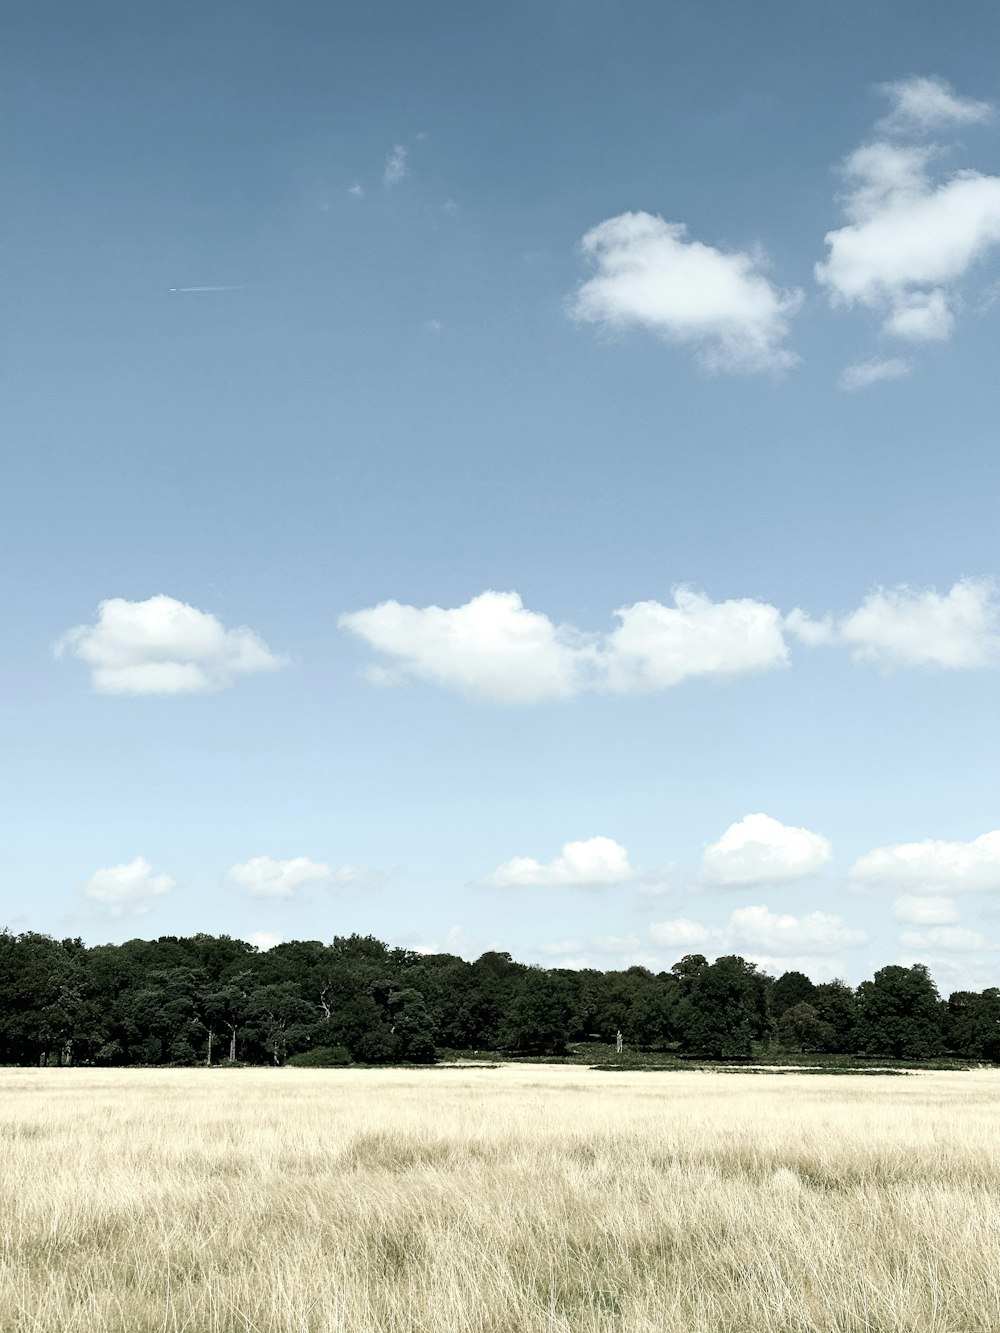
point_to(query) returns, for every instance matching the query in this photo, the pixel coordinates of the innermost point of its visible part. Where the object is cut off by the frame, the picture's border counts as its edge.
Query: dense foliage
(208, 999)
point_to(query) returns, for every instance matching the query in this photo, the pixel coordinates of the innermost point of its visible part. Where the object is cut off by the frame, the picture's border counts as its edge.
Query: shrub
(320, 1057)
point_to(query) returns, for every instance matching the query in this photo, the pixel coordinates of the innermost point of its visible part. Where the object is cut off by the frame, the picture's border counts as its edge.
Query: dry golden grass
(500, 1200)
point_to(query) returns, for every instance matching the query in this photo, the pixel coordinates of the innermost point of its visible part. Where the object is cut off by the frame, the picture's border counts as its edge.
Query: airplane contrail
(240, 288)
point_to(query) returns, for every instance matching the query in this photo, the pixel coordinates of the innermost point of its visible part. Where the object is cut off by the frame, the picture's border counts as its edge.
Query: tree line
(208, 999)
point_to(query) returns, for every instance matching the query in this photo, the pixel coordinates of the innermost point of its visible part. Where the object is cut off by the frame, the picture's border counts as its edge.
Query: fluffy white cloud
(127, 889)
(933, 866)
(656, 646)
(866, 373)
(955, 939)
(925, 910)
(761, 850)
(264, 877)
(493, 648)
(163, 646)
(909, 239)
(396, 168)
(760, 932)
(591, 863)
(909, 627)
(650, 274)
(923, 103)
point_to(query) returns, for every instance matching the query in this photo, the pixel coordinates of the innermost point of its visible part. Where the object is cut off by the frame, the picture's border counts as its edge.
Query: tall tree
(725, 1009)
(900, 1014)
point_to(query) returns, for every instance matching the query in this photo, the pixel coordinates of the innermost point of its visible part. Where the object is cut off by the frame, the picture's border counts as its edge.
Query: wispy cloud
(396, 168)
(922, 103)
(264, 877)
(865, 373)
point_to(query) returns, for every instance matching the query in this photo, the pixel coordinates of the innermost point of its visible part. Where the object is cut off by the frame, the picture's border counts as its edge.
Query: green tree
(412, 1026)
(724, 1010)
(537, 1017)
(836, 1005)
(900, 1014)
(790, 989)
(281, 1019)
(972, 1024)
(800, 1028)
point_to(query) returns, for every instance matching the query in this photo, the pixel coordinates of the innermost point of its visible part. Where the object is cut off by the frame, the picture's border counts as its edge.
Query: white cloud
(922, 103)
(907, 627)
(356, 191)
(396, 168)
(933, 866)
(955, 939)
(866, 373)
(558, 948)
(955, 970)
(925, 910)
(659, 882)
(761, 850)
(493, 648)
(783, 935)
(651, 275)
(615, 945)
(591, 863)
(758, 931)
(921, 317)
(264, 877)
(265, 939)
(680, 932)
(909, 239)
(657, 646)
(623, 951)
(457, 941)
(163, 646)
(128, 889)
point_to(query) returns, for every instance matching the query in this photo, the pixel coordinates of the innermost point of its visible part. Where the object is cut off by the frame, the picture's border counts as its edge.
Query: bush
(320, 1057)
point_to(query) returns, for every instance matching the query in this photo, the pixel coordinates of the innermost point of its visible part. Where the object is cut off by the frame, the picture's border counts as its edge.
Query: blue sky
(587, 437)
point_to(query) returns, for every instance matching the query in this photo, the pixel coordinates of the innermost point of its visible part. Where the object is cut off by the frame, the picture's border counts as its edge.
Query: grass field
(501, 1200)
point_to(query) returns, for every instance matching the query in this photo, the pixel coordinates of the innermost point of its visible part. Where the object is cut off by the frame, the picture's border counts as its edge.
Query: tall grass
(500, 1200)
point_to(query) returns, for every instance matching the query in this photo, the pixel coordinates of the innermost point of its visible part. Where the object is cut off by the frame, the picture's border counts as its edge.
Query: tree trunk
(208, 1057)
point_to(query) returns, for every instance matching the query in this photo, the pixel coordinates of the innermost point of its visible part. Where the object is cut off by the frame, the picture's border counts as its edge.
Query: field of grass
(497, 1200)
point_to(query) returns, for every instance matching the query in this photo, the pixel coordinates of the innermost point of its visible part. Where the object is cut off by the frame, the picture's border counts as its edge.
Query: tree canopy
(210, 999)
